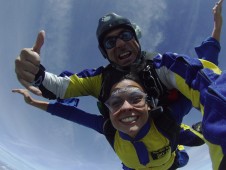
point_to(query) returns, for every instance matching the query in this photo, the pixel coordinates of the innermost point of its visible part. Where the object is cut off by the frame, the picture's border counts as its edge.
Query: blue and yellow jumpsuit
(199, 80)
(150, 149)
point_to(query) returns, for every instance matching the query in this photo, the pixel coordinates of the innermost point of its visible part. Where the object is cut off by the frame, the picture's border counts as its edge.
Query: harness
(163, 121)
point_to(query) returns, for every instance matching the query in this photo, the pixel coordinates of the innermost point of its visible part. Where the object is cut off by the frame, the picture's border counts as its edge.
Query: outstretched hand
(27, 64)
(27, 97)
(31, 101)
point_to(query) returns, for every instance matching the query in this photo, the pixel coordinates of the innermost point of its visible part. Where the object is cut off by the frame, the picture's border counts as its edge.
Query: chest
(157, 145)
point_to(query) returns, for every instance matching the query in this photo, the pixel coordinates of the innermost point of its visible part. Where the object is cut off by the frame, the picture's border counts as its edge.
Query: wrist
(39, 77)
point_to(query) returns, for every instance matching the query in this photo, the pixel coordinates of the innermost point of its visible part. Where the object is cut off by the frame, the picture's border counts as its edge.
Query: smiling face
(130, 117)
(125, 52)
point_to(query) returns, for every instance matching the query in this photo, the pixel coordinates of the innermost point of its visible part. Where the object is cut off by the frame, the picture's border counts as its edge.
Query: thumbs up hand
(27, 64)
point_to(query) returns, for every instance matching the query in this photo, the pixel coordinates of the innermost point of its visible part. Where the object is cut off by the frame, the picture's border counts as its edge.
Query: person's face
(125, 52)
(131, 114)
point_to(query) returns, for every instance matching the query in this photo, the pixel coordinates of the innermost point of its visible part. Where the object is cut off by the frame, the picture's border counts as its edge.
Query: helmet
(109, 22)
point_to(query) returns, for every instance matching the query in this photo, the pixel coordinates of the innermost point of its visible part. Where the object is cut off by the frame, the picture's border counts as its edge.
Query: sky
(31, 139)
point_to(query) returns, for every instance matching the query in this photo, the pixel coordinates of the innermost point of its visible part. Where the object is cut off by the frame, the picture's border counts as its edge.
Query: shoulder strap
(150, 78)
(164, 122)
(168, 126)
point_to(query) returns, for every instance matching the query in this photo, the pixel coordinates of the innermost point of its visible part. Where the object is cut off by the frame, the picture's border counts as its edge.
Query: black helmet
(109, 22)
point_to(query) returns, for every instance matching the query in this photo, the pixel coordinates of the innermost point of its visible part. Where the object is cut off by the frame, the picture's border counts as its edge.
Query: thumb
(39, 42)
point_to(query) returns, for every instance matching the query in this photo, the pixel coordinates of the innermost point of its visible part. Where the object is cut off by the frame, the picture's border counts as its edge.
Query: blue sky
(32, 139)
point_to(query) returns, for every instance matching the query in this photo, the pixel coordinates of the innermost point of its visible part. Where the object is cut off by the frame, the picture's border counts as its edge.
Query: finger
(15, 90)
(220, 2)
(27, 54)
(25, 69)
(39, 42)
(21, 91)
(31, 88)
(35, 90)
(218, 7)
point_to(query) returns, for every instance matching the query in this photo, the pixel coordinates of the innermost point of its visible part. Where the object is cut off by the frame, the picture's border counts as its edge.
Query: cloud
(199, 158)
(8, 161)
(146, 13)
(56, 19)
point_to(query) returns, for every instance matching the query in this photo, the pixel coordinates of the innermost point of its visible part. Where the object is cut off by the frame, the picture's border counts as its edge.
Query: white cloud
(198, 158)
(146, 13)
(56, 20)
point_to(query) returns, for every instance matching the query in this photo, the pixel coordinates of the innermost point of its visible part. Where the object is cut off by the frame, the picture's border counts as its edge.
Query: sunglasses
(110, 42)
(134, 96)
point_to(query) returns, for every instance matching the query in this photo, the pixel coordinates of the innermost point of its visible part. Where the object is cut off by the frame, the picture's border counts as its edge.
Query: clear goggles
(110, 42)
(133, 95)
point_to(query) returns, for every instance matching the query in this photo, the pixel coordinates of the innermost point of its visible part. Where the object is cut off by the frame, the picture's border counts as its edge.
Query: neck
(143, 132)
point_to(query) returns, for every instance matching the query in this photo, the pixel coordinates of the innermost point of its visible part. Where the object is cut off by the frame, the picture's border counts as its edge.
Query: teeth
(124, 54)
(128, 119)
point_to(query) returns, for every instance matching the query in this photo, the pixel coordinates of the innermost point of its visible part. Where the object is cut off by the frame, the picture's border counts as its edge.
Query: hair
(112, 79)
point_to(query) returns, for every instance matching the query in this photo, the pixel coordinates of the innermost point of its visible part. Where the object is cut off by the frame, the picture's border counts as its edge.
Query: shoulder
(91, 72)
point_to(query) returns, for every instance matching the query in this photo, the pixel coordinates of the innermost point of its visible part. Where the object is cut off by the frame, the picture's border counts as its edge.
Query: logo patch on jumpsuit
(160, 153)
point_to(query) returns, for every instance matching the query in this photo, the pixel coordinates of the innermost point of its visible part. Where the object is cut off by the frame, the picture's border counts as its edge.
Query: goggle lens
(134, 96)
(110, 42)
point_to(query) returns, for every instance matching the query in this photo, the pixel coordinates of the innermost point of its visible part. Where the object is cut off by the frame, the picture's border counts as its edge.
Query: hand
(217, 9)
(27, 97)
(29, 100)
(27, 64)
(218, 20)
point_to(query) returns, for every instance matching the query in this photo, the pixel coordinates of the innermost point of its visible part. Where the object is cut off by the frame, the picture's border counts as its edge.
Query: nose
(126, 106)
(119, 42)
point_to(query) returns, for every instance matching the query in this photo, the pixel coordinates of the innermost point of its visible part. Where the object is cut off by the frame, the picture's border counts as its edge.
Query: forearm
(39, 104)
(216, 34)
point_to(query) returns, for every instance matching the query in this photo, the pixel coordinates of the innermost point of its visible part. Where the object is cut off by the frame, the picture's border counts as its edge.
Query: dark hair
(111, 80)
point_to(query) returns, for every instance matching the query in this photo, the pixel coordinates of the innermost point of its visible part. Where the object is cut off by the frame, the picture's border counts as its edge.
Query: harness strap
(167, 126)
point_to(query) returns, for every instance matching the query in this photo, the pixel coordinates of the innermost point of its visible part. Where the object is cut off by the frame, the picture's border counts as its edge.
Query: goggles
(134, 96)
(110, 42)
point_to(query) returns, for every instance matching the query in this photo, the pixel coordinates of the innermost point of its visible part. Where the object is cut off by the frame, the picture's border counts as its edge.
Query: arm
(67, 84)
(66, 109)
(70, 112)
(210, 48)
(32, 75)
(29, 100)
(203, 83)
(190, 76)
(27, 64)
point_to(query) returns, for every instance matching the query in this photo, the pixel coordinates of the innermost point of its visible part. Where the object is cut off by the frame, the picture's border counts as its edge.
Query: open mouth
(124, 55)
(129, 119)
